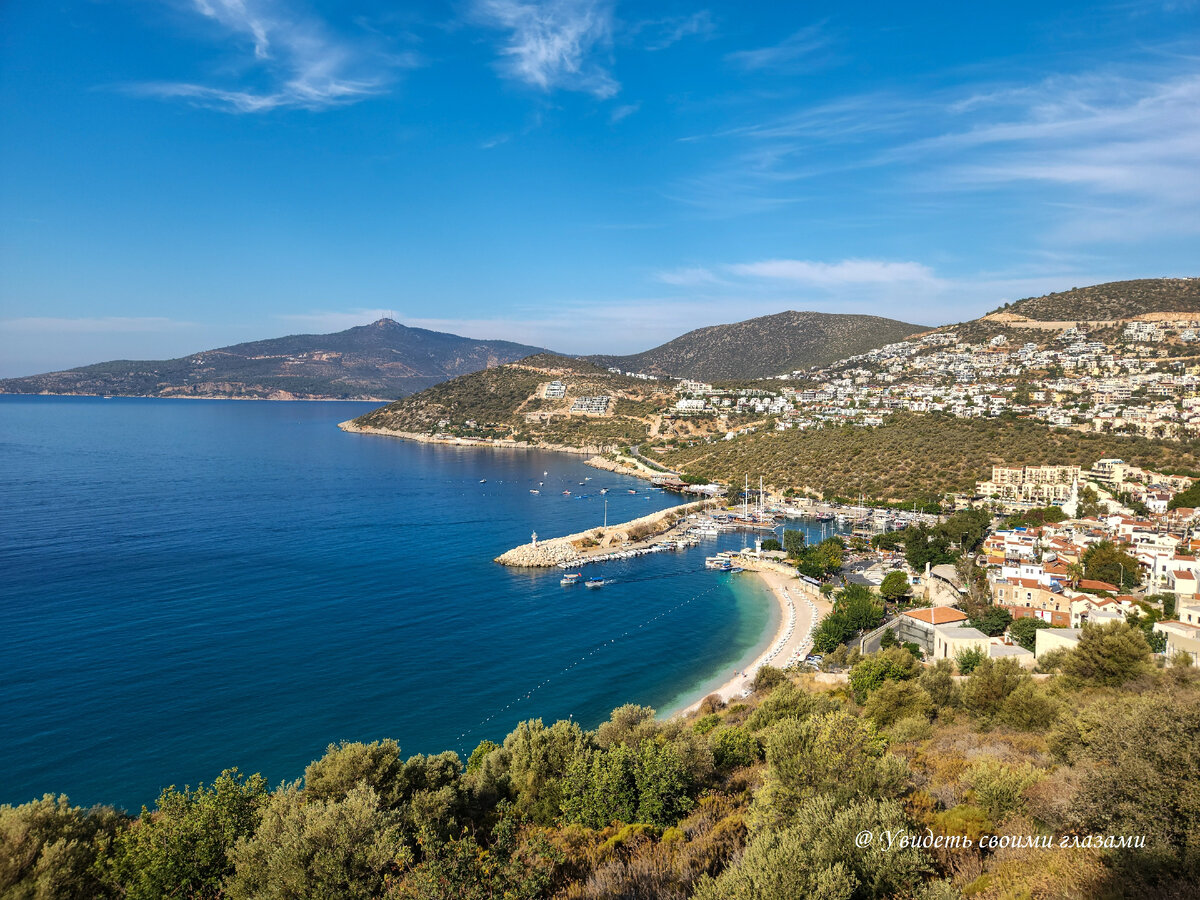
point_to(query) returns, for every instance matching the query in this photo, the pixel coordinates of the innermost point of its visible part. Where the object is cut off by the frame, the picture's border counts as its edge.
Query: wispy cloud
(623, 112)
(666, 32)
(553, 44)
(1124, 147)
(838, 274)
(792, 273)
(799, 47)
(297, 62)
(1100, 156)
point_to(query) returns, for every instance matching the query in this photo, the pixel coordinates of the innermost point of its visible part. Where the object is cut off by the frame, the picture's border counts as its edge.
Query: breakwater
(583, 546)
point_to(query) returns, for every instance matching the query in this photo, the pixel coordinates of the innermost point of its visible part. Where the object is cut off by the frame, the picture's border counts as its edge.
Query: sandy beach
(801, 607)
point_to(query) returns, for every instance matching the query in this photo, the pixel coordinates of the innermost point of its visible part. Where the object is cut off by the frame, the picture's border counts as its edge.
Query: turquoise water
(191, 585)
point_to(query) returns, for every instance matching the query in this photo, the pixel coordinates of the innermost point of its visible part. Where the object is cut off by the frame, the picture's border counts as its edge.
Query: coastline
(288, 399)
(800, 608)
(446, 440)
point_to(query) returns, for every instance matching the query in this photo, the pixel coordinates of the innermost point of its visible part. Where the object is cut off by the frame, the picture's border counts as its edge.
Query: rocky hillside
(378, 361)
(1114, 300)
(766, 346)
(512, 402)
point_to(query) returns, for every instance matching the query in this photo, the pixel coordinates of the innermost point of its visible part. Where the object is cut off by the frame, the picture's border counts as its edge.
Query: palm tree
(1075, 574)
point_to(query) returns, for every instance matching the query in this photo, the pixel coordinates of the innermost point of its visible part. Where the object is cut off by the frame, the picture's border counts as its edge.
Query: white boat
(570, 578)
(534, 491)
(604, 490)
(594, 582)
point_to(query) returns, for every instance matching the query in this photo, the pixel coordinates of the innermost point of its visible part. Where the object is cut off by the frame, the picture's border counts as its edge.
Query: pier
(633, 537)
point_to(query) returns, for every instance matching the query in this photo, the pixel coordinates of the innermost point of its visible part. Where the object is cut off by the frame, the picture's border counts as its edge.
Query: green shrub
(969, 658)
(871, 671)
(733, 747)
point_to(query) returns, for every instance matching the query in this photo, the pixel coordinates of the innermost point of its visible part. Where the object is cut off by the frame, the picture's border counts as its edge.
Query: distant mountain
(1114, 300)
(766, 346)
(383, 360)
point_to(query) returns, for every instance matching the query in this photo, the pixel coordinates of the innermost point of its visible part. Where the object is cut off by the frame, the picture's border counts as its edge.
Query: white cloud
(623, 112)
(795, 48)
(1102, 156)
(551, 44)
(1126, 149)
(671, 30)
(845, 272)
(304, 64)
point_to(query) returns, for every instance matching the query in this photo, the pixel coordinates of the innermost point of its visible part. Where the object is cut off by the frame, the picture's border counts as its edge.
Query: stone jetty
(579, 548)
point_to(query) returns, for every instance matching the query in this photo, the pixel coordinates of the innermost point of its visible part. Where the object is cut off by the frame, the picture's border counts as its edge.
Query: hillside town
(1137, 377)
(1061, 554)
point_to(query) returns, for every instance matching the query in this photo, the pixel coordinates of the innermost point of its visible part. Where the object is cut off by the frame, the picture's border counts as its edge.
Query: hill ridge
(382, 360)
(765, 346)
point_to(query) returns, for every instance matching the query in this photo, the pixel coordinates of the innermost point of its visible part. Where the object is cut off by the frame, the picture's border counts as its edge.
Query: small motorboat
(534, 491)
(604, 490)
(632, 491)
(594, 583)
(483, 481)
(570, 578)
(566, 493)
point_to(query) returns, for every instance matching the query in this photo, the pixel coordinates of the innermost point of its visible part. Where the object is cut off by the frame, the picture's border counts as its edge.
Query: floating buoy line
(591, 653)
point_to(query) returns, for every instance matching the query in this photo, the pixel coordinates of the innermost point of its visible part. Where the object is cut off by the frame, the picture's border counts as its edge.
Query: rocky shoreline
(448, 440)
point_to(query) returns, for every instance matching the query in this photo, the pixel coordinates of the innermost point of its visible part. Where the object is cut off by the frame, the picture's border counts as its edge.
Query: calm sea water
(191, 585)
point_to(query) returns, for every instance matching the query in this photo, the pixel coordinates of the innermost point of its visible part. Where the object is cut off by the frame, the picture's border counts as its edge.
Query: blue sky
(589, 176)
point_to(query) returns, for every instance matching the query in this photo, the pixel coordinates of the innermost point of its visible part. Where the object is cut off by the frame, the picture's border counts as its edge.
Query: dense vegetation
(384, 359)
(762, 799)
(913, 457)
(766, 346)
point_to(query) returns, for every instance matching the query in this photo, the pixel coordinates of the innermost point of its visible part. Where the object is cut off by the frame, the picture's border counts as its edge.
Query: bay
(187, 586)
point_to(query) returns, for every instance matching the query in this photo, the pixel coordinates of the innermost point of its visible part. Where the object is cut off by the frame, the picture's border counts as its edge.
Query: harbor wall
(573, 548)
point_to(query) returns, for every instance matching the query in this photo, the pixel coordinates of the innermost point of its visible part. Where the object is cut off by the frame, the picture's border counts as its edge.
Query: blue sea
(187, 586)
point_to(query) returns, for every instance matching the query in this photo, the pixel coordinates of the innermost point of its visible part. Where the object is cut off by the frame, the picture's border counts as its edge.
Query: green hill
(765, 346)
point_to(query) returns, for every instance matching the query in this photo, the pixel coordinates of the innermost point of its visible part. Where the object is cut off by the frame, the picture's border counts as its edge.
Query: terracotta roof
(1097, 585)
(937, 615)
